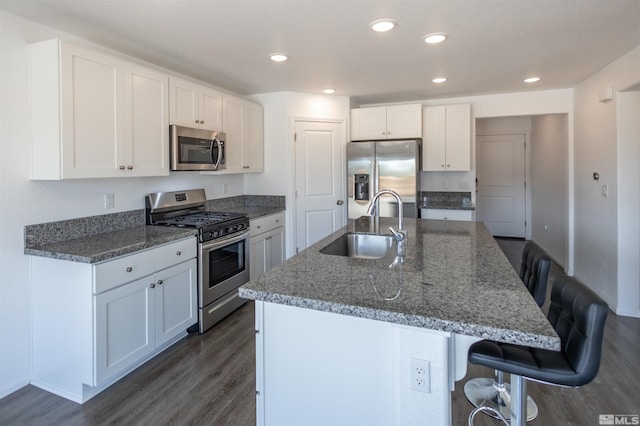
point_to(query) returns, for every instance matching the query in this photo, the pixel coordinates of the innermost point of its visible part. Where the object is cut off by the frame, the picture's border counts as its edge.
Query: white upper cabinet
(447, 138)
(195, 105)
(242, 124)
(94, 115)
(146, 116)
(391, 122)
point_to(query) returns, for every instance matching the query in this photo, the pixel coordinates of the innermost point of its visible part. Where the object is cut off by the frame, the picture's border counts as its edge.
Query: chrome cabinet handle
(339, 202)
(152, 285)
(130, 167)
(121, 167)
(197, 121)
(129, 269)
(178, 253)
(159, 282)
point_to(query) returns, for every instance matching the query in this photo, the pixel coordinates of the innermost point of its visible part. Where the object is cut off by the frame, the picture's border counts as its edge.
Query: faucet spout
(400, 235)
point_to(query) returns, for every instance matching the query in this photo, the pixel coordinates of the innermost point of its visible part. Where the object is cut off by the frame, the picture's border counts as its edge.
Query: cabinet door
(368, 123)
(210, 108)
(176, 300)
(183, 107)
(404, 121)
(232, 127)
(253, 145)
(146, 122)
(92, 114)
(434, 144)
(458, 131)
(258, 255)
(124, 327)
(442, 214)
(276, 247)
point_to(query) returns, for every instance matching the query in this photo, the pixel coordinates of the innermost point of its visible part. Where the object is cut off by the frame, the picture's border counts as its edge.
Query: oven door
(195, 149)
(223, 267)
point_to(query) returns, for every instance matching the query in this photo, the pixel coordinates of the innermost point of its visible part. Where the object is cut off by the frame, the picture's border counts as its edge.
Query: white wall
(281, 111)
(548, 184)
(24, 202)
(629, 202)
(598, 226)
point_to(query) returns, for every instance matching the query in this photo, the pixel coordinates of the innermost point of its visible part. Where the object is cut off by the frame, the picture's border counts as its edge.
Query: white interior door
(319, 180)
(501, 184)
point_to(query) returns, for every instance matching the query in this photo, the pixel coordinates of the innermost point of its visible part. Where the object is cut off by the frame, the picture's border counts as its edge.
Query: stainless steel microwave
(196, 149)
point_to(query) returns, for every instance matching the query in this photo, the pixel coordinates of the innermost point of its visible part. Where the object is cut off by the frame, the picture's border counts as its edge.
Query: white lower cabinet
(445, 214)
(135, 319)
(267, 243)
(92, 324)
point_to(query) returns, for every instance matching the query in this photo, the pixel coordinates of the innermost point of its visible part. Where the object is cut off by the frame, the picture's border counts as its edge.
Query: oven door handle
(216, 244)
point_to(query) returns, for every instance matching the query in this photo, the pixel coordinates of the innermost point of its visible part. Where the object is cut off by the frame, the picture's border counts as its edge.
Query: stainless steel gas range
(223, 249)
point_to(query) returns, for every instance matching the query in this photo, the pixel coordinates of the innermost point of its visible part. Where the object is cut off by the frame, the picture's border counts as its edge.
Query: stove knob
(211, 235)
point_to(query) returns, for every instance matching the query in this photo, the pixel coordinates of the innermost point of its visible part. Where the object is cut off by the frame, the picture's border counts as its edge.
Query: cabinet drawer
(174, 253)
(266, 223)
(444, 214)
(116, 272)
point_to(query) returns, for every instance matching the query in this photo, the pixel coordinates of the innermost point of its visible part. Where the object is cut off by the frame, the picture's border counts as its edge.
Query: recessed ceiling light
(279, 57)
(435, 38)
(382, 25)
(439, 80)
(329, 91)
(531, 79)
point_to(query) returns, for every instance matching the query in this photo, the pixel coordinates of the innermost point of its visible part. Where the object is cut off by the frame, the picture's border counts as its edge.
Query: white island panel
(321, 368)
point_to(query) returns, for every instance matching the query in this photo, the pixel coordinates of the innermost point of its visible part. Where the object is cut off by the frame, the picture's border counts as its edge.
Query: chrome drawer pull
(129, 269)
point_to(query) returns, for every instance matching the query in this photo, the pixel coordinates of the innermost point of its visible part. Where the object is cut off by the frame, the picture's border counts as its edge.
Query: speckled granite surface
(253, 205)
(454, 278)
(108, 245)
(446, 200)
(97, 238)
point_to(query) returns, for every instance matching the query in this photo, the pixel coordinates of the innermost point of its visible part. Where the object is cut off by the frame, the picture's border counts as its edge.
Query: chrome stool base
(486, 392)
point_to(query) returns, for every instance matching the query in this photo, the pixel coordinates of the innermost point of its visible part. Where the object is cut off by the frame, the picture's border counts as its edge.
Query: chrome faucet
(400, 235)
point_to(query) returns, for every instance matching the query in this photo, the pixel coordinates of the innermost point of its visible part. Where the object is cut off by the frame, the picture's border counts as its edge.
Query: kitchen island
(345, 341)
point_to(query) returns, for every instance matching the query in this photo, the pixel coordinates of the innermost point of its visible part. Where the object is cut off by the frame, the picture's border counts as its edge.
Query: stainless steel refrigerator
(376, 165)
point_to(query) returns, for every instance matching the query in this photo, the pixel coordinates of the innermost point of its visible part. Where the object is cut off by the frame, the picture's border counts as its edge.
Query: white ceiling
(492, 46)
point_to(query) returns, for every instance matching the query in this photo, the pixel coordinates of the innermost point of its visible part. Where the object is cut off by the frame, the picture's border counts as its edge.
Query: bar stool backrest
(578, 316)
(534, 271)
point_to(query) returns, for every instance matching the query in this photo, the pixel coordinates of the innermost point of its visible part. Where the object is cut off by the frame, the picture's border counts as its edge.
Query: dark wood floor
(209, 380)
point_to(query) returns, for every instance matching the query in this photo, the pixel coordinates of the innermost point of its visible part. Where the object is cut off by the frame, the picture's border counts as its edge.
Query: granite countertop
(454, 278)
(446, 205)
(95, 239)
(108, 245)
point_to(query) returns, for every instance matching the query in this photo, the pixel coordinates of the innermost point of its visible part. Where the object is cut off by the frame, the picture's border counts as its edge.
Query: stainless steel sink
(362, 246)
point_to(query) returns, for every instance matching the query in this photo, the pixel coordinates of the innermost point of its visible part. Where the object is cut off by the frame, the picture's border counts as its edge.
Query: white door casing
(501, 184)
(319, 179)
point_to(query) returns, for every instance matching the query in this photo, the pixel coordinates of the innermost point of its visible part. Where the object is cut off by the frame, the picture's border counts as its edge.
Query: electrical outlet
(419, 375)
(225, 188)
(108, 201)
(444, 184)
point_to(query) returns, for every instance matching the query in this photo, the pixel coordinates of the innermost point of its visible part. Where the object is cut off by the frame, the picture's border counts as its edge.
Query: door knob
(339, 202)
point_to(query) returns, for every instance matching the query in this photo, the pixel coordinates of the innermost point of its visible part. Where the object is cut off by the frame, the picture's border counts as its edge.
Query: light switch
(605, 190)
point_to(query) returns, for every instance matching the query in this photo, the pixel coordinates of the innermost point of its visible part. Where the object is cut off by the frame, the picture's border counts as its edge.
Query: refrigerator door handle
(376, 185)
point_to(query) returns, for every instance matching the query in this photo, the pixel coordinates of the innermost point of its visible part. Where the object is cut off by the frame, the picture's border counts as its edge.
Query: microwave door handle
(213, 160)
(220, 148)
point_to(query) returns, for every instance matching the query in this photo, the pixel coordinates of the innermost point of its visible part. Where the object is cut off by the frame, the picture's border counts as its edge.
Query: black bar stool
(495, 392)
(578, 315)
